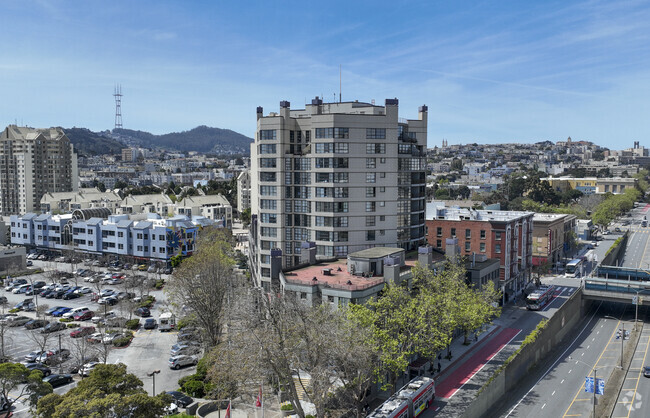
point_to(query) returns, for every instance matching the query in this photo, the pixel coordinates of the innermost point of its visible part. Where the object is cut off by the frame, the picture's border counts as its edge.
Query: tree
(201, 283)
(246, 216)
(18, 382)
(108, 391)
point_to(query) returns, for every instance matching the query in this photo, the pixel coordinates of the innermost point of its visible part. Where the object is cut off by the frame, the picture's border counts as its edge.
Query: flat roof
(376, 252)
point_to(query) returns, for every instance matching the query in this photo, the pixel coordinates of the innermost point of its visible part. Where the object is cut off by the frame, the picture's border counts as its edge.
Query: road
(556, 388)
(637, 254)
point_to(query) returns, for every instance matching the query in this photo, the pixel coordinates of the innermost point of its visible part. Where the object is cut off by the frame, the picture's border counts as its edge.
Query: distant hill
(87, 142)
(202, 139)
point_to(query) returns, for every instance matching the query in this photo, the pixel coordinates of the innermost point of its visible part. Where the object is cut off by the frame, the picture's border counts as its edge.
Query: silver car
(177, 362)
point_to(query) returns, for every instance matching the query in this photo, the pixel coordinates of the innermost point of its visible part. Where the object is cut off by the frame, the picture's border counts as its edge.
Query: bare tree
(201, 284)
(40, 339)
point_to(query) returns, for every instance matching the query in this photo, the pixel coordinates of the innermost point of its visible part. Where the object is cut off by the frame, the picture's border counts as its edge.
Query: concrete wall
(616, 253)
(558, 326)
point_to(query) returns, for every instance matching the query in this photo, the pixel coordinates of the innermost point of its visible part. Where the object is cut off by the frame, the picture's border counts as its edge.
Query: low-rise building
(243, 191)
(146, 203)
(215, 207)
(83, 199)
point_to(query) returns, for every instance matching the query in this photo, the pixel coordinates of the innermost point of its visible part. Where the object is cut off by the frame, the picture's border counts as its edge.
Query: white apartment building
(32, 163)
(346, 176)
(243, 191)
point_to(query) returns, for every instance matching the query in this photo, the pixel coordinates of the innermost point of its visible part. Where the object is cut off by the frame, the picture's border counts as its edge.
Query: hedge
(132, 324)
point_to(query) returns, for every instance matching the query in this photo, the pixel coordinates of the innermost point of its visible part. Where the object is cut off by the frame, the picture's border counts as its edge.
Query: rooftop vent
(327, 272)
(314, 279)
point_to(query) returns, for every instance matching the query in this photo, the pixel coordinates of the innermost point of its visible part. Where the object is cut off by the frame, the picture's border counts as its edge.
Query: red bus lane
(453, 382)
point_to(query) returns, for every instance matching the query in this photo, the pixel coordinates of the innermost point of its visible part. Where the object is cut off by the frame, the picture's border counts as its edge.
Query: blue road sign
(589, 384)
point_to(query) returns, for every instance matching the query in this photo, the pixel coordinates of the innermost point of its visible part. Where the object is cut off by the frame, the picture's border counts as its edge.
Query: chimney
(308, 253)
(260, 111)
(425, 256)
(285, 108)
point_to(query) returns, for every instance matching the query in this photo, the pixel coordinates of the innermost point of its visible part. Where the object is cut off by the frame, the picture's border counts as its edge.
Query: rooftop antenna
(340, 83)
(118, 106)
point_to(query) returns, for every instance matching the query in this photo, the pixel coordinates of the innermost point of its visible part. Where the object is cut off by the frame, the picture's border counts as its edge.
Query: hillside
(87, 142)
(202, 139)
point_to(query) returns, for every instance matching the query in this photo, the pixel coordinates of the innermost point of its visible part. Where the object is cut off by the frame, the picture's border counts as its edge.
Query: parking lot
(148, 351)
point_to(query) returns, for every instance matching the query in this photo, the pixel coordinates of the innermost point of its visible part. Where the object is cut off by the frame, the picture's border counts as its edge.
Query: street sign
(635, 299)
(589, 384)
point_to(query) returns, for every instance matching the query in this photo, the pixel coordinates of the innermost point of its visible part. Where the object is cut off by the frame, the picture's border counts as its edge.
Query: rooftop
(376, 252)
(464, 214)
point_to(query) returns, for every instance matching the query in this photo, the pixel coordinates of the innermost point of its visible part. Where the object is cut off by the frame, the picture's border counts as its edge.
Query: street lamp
(153, 375)
(622, 336)
(595, 384)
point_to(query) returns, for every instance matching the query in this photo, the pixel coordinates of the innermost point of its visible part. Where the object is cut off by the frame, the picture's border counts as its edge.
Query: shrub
(159, 284)
(286, 406)
(132, 324)
(72, 326)
(14, 310)
(66, 320)
(194, 388)
(147, 301)
(183, 322)
(122, 341)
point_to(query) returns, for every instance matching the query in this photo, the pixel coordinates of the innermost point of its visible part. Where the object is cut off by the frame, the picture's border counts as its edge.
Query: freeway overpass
(623, 291)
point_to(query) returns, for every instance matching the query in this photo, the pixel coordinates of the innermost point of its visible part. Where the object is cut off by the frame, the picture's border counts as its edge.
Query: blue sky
(490, 72)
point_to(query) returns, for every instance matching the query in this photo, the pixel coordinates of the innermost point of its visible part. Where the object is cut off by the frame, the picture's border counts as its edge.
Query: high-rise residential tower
(345, 176)
(34, 162)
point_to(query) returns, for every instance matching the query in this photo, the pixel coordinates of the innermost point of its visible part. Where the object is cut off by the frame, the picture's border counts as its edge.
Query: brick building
(553, 235)
(503, 235)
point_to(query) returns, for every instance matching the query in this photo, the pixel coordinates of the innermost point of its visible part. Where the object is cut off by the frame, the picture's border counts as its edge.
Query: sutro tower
(118, 106)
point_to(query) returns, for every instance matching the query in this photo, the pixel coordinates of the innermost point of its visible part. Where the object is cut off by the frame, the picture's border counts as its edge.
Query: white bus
(408, 402)
(574, 267)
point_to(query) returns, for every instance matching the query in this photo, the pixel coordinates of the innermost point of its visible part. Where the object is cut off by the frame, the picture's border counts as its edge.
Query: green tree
(109, 391)
(246, 216)
(18, 382)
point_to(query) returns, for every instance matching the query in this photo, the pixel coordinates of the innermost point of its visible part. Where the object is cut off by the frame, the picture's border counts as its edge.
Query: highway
(637, 254)
(556, 388)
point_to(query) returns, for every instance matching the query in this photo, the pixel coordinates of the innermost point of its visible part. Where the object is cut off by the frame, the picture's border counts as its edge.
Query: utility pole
(595, 383)
(60, 356)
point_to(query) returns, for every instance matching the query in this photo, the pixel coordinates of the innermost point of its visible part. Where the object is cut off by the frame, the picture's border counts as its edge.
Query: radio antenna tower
(118, 106)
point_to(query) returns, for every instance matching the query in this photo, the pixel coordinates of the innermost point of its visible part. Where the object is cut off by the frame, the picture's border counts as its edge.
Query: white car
(106, 292)
(83, 290)
(87, 368)
(76, 311)
(20, 288)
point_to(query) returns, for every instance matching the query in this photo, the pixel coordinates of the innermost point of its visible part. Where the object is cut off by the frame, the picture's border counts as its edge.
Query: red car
(83, 316)
(82, 332)
(118, 276)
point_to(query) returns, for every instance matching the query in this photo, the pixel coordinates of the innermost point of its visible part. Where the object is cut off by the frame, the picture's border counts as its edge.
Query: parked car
(39, 284)
(186, 335)
(108, 300)
(3, 300)
(143, 312)
(20, 288)
(70, 295)
(61, 311)
(106, 292)
(57, 380)
(36, 323)
(95, 338)
(142, 267)
(180, 398)
(109, 337)
(40, 367)
(55, 356)
(176, 362)
(17, 321)
(103, 317)
(53, 309)
(83, 316)
(87, 368)
(53, 327)
(149, 323)
(152, 269)
(81, 332)
(34, 355)
(75, 311)
(178, 349)
(646, 371)
(617, 229)
(114, 281)
(26, 305)
(83, 290)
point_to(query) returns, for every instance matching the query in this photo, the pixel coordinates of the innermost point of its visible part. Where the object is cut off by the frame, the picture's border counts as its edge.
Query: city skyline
(488, 73)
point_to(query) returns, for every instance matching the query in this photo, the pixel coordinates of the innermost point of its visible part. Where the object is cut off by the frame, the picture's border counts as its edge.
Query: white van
(167, 321)
(75, 311)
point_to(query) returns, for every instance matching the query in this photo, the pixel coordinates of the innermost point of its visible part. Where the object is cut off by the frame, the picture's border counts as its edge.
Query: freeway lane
(556, 388)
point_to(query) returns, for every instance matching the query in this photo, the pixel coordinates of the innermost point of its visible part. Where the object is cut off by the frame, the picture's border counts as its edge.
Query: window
(161, 250)
(371, 177)
(371, 163)
(268, 190)
(120, 246)
(468, 246)
(267, 134)
(267, 148)
(439, 231)
(266, 231)
(468, 233)
(375, 148)
(482, 247)
(340, 133)
(439, 243)
(341, 148)
(497, 248)
(497, 236)
(453, 232)
(370, 221)
(267, 163)
(482, 233)
(382, 160)
(370, 235)
(382, 218)
(268, 204)
(267, 176)
(376, 133)
(370, 192)
(139, 236)
(161, 237)
(370, 206)
(269, 218)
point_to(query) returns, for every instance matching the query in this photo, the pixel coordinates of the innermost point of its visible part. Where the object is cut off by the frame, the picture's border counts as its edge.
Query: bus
(408, 402)
(574, 267)
(539, 298)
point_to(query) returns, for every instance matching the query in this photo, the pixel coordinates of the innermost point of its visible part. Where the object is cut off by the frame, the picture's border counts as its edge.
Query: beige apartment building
(345, 176)
(34, 162)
